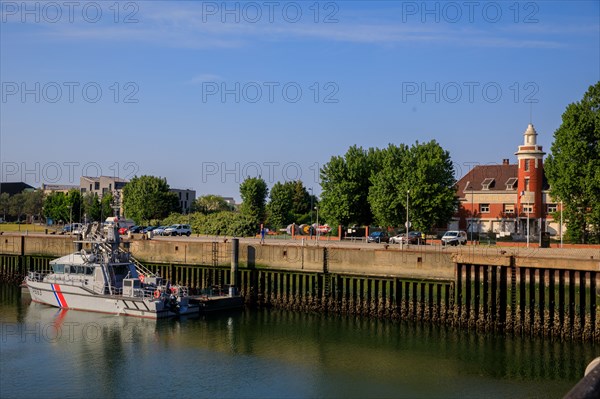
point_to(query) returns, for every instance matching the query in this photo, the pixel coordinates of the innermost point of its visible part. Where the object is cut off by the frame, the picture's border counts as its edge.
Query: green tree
(106, 206)
(345, 183)
(55, 207)
(91, 206)
(289, 203)
(301, 200)
(573, 167)
(425, 173)
(74, 204)
(148, 197)
(254, 193)
(34, 201)
(387, 195)
(17, 206)
(211, 203)
(280, 206)
(4, 204)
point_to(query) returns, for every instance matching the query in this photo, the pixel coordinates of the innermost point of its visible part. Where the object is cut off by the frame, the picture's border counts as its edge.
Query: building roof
(488, 178)
(59, 187)
(493, 178)
(97, 178)
(13, 188)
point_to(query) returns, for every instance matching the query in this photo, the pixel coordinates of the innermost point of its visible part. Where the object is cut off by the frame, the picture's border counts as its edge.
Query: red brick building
(507, 198)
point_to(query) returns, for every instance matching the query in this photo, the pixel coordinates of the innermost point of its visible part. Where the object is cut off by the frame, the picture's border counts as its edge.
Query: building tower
(530, 179)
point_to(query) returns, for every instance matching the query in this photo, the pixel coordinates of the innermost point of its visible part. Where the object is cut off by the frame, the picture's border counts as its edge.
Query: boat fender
(157, 294)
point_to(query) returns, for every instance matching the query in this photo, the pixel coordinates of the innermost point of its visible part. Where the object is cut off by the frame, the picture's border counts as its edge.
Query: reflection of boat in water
(101, 277)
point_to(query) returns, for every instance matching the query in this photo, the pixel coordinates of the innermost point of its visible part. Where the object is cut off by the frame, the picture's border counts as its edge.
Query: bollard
(235, 257)
(589, 386)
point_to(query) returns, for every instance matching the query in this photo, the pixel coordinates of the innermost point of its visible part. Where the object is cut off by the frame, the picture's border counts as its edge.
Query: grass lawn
(12, 227)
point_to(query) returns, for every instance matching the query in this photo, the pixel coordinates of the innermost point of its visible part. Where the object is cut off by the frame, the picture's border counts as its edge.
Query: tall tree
(74, 204)
(573, 167)
(56, 207)
(91, 206)
(301, 199)
(254, 193)
(280, 206)
(17, 205)
(34, 201)
(211, 203)
(432, 197)
(387, 195)
(148, 197)
(4, 204)
(106, 206)
(345, 183)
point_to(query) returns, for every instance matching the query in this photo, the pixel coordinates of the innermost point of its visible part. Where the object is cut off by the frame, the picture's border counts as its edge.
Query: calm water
(267, 354)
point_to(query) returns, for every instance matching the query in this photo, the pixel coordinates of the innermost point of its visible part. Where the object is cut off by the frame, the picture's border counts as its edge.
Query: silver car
(454, 237)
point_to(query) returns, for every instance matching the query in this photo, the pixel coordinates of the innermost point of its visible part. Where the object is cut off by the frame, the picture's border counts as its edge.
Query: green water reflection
(269, 354)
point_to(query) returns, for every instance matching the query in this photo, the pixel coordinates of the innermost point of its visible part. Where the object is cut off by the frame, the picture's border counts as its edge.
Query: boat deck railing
(145, 292)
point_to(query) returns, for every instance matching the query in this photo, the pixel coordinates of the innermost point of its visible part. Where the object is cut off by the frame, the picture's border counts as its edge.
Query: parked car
(74, 228)
(414, 237)
(178, 230)
(159, 230)
(378, 236)
(454, 237)
(149, 228)
(136, 229)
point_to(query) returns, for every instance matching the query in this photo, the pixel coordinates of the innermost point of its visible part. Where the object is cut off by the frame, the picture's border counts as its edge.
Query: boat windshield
(79, 269)
(58, 268)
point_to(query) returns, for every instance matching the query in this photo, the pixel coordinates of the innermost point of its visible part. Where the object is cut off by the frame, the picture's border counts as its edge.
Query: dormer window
(510, 183)
(487, 183)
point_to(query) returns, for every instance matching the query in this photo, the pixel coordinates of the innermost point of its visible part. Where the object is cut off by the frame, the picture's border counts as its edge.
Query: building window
(83, 190)
(526, 184)
(527, 165)
(510, 183)
(509, 208)
(550, 208)
(97, 185)
(487, 183)
(528, 208)
(484, 208)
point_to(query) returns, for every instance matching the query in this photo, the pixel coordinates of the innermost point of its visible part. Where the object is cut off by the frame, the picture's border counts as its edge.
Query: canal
(46, 352)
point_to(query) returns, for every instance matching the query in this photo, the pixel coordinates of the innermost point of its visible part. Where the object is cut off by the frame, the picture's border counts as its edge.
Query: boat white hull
(79, 298)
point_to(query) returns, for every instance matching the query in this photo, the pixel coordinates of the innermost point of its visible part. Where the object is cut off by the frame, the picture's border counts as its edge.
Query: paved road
(492, 250)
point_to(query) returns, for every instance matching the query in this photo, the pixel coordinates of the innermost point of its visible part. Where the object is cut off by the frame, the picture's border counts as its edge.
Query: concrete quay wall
(436, 263)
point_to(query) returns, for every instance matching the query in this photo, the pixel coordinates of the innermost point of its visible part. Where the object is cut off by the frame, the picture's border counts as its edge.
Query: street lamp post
(528, 222)
(472, 213)
(317, 208)
(407, 225)
(311, 206)
(561, 224)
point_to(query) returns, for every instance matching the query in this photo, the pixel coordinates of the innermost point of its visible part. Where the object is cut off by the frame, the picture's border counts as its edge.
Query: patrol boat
(102, 277)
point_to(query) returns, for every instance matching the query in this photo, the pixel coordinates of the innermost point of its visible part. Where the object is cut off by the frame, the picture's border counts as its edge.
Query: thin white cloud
(183, 25)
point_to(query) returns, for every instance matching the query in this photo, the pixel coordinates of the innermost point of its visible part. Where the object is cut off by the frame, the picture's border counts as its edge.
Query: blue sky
(207, 93)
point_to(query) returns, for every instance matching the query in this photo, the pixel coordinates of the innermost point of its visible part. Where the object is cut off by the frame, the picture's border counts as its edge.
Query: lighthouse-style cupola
(531, 175)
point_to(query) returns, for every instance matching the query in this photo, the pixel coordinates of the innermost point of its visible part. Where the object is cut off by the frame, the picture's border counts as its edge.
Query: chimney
(505, 161)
